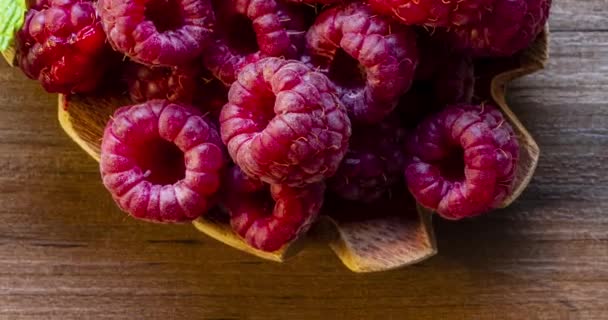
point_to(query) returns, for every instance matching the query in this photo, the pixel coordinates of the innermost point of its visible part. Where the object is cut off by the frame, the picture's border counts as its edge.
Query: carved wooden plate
(366, 245)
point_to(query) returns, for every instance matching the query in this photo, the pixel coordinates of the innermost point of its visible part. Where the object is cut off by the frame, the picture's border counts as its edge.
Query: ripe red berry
(434, 13)
(161, 161)
(510, 27)
(158, 32)
(270, 219)
(370, 59)
(250, 30)
(449, 73)
(463, 161)
(62, 44)
(373, 164)
(175, 84)
(283, 123)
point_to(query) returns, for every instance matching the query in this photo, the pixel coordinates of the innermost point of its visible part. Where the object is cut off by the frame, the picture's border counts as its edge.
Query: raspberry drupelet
(463, 161)
(158, 32)
(270, 217)
(62, 45)
(161, 161)
(370, 59)
(249, 30)
(283, 123)
(374, 162)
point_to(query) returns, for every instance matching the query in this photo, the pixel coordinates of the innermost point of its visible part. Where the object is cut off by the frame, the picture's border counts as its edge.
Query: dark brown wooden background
(67, 253)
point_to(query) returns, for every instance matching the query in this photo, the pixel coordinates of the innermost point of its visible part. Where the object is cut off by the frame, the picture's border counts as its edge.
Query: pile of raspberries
(267, 108)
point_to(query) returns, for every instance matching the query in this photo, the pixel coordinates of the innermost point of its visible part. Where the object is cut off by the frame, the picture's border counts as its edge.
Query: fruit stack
(268, 114)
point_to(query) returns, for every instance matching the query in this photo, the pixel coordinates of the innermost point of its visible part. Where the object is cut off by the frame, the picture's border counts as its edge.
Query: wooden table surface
(66, 252)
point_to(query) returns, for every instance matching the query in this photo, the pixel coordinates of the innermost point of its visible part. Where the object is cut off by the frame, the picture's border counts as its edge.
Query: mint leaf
(11, 19)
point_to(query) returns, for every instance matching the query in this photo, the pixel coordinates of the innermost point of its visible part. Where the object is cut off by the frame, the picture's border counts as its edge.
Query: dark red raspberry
(434, 13)
(370, 59)
(451, 74)
(270, 220)
(38, 4)
(158, 32)
(398, 202)
(374, 162)
(455, 82)
(283, 123)
(511, 27)
(463, 161)
(324, 2)
(236, 182)
(62, 44)
(173, 84)
(161, 161)
(250, 30)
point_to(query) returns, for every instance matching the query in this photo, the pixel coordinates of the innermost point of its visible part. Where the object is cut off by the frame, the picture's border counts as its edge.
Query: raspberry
(174, 84)
(374, 162)
(268, 222)
(283, 123)
(398, 202)
(463, 161)
(62, 44)
(237, 182)
(450, 74)
(511, 27)
(370, 59)
(434, 13)
(158, 32)
(324, 2)
(161, 161)
(455, 82)
(250, 30)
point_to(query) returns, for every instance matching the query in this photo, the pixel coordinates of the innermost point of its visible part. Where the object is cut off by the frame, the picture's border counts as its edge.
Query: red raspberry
(451, 74)
(398, 202)
(511, 27)
(434, 13)
(324, 2)
(369, 58)
(38, 4)
(455, 82)
(174, 84)
(62, 44)
(374, 162)
(463, 161)
(161, 161)
(158, 32)
(268, 222)
(236, 182)
(283, 123)
(250, 30)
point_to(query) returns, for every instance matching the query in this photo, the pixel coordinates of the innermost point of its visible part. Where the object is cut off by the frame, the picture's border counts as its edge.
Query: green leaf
(11, 19)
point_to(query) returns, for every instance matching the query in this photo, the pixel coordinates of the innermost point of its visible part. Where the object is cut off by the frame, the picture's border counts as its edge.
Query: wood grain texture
(67, 253)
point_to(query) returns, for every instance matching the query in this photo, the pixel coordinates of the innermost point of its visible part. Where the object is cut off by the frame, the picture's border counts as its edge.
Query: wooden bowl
(374, 244)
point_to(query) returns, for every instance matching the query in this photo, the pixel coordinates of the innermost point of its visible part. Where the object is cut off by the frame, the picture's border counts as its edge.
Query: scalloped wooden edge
(409, 241)
(531, 60)
(342, 237)
(66, 123)
(9, 56)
